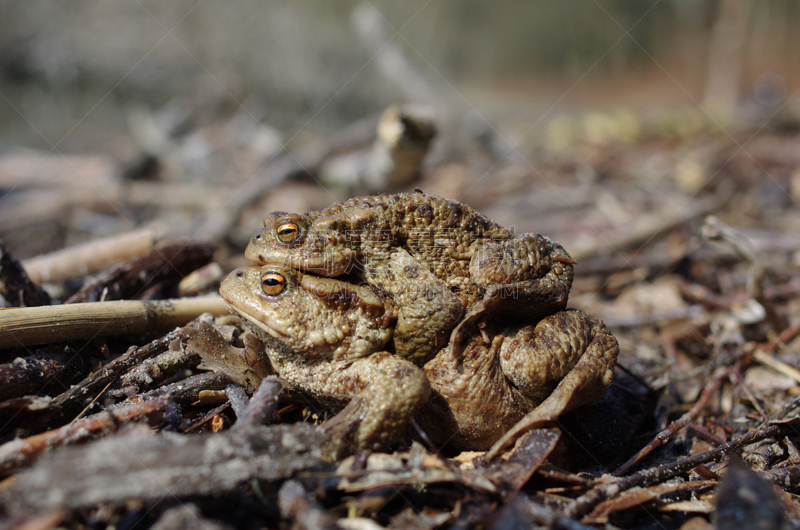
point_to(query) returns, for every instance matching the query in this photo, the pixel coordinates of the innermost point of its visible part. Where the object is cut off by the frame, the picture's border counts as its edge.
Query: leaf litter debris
(693, 266)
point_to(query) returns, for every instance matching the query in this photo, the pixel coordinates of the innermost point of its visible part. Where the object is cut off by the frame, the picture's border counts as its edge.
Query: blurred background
(577, 119)
(623, 129)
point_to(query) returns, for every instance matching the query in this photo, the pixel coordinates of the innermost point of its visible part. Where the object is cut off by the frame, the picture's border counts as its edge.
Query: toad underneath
(334, 341)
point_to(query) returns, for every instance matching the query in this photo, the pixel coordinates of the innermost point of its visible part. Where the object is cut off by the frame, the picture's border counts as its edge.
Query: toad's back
(438, 232)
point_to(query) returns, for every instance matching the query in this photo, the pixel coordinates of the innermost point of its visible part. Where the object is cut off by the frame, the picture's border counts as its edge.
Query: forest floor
(684, 226)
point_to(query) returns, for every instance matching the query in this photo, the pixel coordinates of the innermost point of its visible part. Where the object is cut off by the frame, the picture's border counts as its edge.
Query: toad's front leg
(387, 391)
(427, 310)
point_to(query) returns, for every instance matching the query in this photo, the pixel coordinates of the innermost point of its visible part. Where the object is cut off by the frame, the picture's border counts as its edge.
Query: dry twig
(186, 391)
(152, 372)
(104, 375)
(79, 260)
(649, 227)
(32, 374)
(715, 230)
(51, 324)
(166, 263)
(166, 466)
(587, 502)
(262, 406)
(664, 436)
(18, 453)
(742, 364)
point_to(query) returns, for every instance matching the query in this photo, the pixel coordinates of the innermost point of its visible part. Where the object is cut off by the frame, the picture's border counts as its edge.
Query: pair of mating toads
(395, 307)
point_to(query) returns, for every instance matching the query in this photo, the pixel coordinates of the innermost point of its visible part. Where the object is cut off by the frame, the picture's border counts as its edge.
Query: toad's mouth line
(272, 332)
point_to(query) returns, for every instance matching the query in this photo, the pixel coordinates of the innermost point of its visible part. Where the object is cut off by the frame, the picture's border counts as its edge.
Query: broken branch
(50, 324)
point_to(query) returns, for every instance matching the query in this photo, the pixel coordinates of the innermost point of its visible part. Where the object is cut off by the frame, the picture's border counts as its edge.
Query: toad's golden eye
(272, 283)
(288, 232)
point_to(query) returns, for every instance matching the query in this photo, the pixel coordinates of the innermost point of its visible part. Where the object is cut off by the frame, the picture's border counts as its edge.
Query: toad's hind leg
(567, 359)
(530, 274)
(427, 310)
(389, 391)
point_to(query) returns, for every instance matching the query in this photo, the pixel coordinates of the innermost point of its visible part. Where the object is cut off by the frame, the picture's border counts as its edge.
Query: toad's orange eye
(288, 232)
(272, 283)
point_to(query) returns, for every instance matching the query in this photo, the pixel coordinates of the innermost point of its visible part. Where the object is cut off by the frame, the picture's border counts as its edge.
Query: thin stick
(168, 262)
(92, 402)
(716, 231)
(777, 365)
(20, 452)
(152, 372)
(650, 227)
(108, 373)
(238, 398)
(79, 260)
(186, 391)
(664, 436)
(586, 502)
(262, 407)
(50, 324)
(763, 356)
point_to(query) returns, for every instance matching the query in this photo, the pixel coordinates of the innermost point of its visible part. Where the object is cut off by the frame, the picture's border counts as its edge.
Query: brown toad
(333, 340)
(324, 337)
(467, 258)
